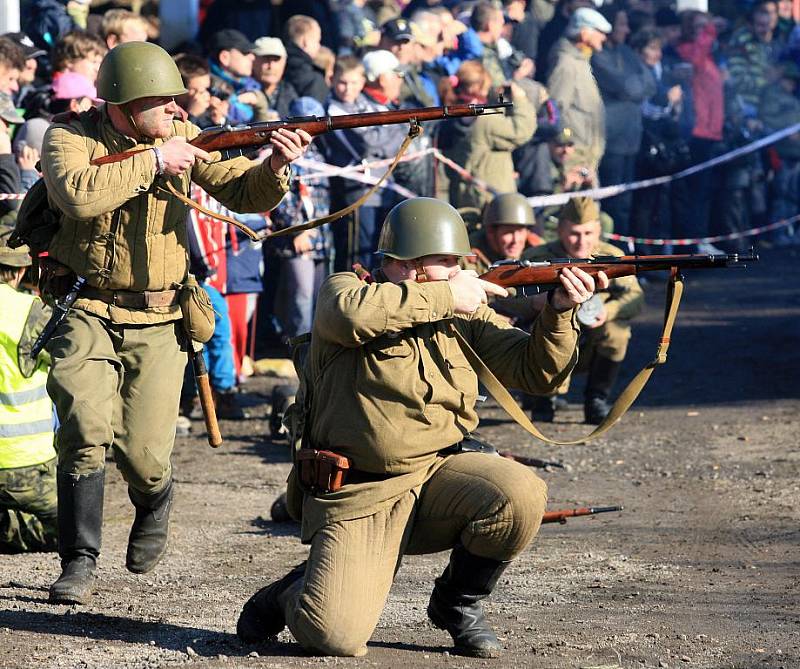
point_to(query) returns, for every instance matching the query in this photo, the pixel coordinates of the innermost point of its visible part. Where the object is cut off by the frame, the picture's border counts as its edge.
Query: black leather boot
(80, 528)
(602, 376)
(147, 542)
(262, 615)
(455, 602)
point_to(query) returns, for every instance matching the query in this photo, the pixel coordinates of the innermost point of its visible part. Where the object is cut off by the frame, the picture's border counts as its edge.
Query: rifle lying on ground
(540, 276)
(238, 139)
(561, 515)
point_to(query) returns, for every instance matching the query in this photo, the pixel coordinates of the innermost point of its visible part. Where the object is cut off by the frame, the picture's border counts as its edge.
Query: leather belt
(132, 299)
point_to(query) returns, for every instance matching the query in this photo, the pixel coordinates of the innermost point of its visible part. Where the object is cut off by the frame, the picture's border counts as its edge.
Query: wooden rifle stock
(544, 275)
(561, 515)
(248, 137)
(206, 397)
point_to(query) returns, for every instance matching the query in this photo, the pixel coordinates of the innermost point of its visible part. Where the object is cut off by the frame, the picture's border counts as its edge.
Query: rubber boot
(80, 528)
(455, 602)
(262, 615)
(603, 374)
(147, 541)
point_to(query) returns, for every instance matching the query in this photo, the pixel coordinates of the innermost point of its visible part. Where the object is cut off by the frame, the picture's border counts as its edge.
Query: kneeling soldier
(605, 328)
(393, 402)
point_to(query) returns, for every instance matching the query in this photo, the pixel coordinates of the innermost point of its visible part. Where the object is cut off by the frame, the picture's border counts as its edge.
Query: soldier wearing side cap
(119, 355)
(27, 457)
(605, 322)
(393, 396)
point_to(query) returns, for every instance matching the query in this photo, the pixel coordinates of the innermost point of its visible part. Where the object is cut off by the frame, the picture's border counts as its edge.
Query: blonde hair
(346, 64)
(76, 46)
(114, 21)
(299, 25)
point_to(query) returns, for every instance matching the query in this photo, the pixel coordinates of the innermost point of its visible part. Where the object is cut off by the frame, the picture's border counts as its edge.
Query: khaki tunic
(120, 228)
(622, 300)
(393, 387)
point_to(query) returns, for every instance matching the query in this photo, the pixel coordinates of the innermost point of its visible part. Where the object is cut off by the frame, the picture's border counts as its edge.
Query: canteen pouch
(196, 309)
(321, 472)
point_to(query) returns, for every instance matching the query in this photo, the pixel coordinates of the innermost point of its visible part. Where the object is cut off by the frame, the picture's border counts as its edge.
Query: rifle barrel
(561, 515)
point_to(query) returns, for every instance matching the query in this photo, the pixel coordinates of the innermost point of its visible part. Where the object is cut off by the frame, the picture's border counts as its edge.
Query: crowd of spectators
(603, 94)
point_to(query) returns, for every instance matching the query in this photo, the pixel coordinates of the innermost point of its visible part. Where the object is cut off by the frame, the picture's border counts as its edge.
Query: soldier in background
(605, 323)
(508, 225)
(28, 503)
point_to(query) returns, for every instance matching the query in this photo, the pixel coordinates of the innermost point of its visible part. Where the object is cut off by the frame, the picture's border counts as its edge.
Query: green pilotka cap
(423, 226)
(508, 209)
(18, 257)
(579, 210)
(138, 70)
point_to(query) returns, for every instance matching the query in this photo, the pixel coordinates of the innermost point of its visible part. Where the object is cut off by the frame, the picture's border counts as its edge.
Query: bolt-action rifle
(540, 276)
(235, 140)
(561, 515)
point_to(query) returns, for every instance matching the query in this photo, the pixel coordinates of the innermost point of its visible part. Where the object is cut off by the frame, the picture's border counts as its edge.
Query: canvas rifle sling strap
(626, 398)
(413, 132)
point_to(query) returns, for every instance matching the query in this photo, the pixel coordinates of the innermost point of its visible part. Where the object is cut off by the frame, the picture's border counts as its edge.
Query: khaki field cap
(508, 209)
(423, 226)
(138, 70)
(18, 257)
(580, 210)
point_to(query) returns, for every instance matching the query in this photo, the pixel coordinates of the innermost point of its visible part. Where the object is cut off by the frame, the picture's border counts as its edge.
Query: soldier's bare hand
(287, 145)
(576, 287)
(470, 292)
(179, 155)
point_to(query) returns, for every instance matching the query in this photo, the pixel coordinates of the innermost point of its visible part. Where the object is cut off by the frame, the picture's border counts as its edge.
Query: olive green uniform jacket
(623, 299)
(572, 85)
(120, 228)
(392, 386)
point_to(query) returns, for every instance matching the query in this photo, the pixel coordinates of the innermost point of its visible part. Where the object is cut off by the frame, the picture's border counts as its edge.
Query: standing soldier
(27, 456)
(605, 321)
(402, 428)
(119, 355)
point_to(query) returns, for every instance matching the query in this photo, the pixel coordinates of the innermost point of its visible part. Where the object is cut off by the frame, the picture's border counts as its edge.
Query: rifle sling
(626, 398)
(413, 133)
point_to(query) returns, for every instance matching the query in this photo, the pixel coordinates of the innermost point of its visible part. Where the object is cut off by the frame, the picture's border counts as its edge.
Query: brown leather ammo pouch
(321, 471)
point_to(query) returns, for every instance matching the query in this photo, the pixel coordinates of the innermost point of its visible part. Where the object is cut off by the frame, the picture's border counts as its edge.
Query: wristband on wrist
(159, 160)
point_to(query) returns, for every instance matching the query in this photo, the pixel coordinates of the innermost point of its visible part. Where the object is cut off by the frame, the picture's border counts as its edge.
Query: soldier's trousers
(490, 505)
(610, 341)
(116, 386)
(28, 508)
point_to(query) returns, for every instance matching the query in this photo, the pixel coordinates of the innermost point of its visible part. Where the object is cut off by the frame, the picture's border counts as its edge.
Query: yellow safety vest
(26, 412)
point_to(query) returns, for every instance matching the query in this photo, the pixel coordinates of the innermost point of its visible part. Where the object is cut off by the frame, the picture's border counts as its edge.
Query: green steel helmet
(138, 70)
(508, 209)
(423, 226)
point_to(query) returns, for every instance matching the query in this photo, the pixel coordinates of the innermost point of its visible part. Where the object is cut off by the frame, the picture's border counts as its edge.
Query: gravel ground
(699, 570)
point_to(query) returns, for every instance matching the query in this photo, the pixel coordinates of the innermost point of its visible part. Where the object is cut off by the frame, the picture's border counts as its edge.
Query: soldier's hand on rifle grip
(469, 292)
(576, 287)
(178, 156)
(287, 145)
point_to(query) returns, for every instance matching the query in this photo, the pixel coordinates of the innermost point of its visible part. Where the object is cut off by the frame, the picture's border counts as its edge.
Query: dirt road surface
(699, 570)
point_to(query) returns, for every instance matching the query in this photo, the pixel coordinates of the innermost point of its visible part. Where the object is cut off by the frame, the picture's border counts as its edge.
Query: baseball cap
(26, 44)
(399, 30)
(269, 46)
(223, 40)
(380, 62)
(72, 85)
(564, 137)
(8, 112)
(586, 17)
